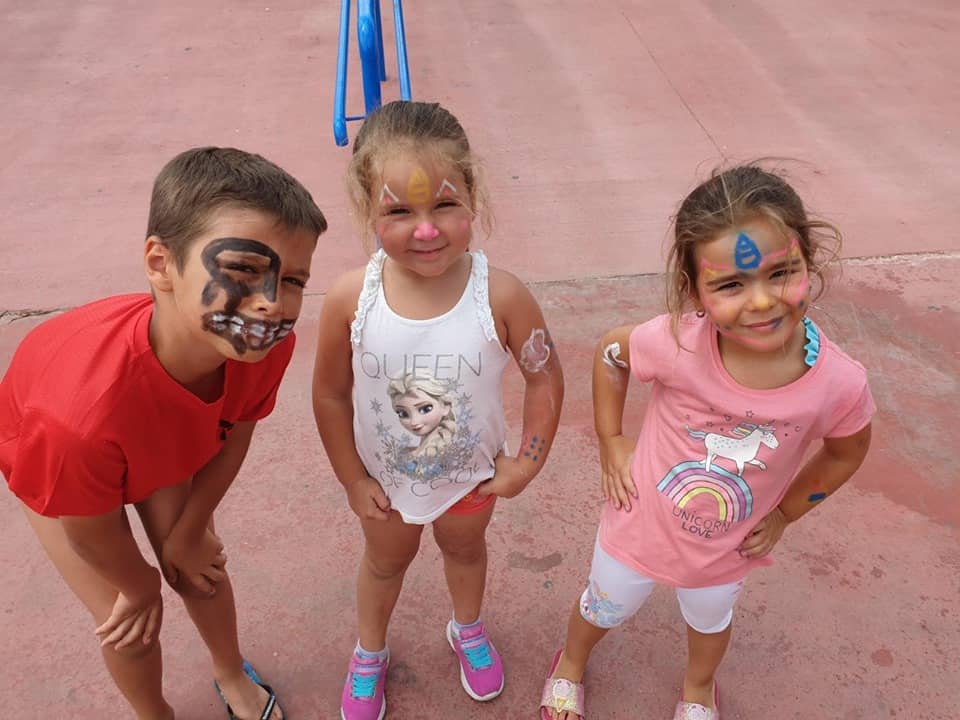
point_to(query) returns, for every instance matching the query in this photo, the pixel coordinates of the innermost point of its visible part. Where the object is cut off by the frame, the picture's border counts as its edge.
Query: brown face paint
(242, 268)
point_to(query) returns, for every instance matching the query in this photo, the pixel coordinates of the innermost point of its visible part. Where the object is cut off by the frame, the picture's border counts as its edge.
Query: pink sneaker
(363, 697)
(481, 672)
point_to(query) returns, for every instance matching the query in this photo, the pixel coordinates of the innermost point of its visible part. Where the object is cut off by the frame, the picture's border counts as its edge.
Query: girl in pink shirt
(742, 383)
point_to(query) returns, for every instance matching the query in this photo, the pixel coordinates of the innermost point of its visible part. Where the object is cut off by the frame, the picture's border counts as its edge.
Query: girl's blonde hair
(439, 438)
(426, 130)
(730, 198)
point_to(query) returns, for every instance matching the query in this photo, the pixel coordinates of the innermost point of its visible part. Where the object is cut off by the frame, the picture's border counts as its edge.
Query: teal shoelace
(363, 686)
(478, 655)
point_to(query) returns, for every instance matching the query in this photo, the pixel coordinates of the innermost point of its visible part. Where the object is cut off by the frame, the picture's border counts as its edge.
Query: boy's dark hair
(199, 181)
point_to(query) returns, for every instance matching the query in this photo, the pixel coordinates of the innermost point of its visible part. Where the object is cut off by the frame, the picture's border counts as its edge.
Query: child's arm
(107, 545)
(822, 476)
(524, 333)
(611, 375)
(333, 399)
(192, 552)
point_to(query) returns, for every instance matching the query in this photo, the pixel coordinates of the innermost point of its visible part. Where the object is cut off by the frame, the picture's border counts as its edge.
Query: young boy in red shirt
(151, 401)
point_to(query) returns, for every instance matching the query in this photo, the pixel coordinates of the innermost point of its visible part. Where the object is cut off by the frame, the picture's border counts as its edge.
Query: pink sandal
(560, 694)
(695, 711)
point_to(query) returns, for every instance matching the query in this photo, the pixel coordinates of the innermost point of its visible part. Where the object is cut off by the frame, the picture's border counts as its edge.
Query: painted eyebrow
(230, 255)
(299, 272)
(725, 279)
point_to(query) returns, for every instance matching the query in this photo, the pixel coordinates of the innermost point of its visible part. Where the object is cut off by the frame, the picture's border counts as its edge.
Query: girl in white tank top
(407, 387)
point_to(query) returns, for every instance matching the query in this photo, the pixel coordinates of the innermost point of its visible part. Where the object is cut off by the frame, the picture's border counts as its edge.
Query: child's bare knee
(187, 590)
(464, 551)
(387, 568)
(134, 651)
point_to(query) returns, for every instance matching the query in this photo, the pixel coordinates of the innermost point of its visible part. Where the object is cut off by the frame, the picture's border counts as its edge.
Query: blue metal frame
(372, 65)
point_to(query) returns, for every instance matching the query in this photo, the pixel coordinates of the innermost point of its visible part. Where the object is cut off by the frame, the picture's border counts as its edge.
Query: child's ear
(159, 264)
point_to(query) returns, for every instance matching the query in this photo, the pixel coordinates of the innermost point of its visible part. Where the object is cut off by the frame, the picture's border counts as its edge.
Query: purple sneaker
(363, 697)
(481, 672)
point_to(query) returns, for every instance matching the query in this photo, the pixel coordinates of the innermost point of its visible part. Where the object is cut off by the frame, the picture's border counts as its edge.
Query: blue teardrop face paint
(746, 254)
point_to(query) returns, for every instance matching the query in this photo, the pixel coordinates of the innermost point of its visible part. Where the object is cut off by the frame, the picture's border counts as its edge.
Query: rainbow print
(689, 480)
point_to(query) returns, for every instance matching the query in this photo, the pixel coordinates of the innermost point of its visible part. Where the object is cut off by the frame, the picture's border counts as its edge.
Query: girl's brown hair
(730, 198)
(423, 129)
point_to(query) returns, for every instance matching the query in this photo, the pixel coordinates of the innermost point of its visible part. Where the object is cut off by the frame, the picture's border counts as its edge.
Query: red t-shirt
(90, 420)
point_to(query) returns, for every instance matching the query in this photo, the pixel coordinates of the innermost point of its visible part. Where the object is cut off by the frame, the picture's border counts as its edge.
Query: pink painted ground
(594, 120)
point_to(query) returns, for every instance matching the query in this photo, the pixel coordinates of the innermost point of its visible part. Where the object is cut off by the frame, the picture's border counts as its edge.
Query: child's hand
(765, 535)
(134, 618)
(616, 482)
(194, 562)
(367, 499)
(509, 478)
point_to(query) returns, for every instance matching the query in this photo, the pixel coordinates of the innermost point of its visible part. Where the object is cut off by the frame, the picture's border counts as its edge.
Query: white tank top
(427, 412)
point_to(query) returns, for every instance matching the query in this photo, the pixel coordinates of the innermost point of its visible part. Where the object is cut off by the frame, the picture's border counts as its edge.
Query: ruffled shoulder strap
(481, 295)
(372, 277)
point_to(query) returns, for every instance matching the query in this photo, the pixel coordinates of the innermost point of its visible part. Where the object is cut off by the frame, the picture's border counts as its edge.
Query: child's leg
(462, 540)
(708, 613)
(582, 637)
(215, 617)
(614, 593)
(461, 536)
(391, 545)
(135, 669)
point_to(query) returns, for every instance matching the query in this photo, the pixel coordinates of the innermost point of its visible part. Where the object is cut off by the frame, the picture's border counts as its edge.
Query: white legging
(616, 592)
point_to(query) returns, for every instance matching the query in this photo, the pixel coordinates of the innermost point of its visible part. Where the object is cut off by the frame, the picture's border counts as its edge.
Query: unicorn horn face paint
(754, 285)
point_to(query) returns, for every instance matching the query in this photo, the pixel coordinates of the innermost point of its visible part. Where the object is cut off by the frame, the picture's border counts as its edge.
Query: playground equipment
(372, 66)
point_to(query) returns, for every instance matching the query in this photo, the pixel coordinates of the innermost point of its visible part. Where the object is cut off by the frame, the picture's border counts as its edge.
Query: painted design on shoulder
(611, 355)
(535, 351)
(387, 196)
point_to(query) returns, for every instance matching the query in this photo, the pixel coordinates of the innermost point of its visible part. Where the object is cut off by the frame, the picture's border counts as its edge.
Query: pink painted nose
(426, 231)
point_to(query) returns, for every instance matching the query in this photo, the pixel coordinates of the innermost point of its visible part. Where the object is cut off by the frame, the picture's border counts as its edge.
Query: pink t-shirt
(689, 520)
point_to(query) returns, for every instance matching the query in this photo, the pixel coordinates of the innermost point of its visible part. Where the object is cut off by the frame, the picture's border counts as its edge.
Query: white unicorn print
(741, 449)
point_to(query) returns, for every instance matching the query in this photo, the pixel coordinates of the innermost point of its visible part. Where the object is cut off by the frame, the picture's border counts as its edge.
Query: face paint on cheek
(228, 260)
(796, 292)
(418, 187)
